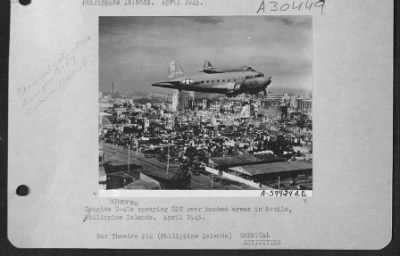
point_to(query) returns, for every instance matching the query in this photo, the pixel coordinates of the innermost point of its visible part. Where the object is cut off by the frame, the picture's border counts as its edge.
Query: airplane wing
(212, 71)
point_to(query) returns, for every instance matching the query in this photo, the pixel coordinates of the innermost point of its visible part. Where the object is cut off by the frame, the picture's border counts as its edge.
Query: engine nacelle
(237, 88)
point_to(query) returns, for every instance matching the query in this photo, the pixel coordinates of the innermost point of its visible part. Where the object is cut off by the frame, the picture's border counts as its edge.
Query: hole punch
(24, 2)
(22, 190)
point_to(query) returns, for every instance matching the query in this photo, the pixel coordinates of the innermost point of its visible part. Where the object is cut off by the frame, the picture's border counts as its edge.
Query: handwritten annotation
(53, 78)
(284, 6)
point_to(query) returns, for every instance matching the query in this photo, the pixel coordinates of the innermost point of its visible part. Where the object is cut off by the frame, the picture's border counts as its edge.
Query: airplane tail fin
(174, 70)
(207, 65)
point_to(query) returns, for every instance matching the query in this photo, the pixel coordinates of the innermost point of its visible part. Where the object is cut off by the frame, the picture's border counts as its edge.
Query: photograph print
(205, 103)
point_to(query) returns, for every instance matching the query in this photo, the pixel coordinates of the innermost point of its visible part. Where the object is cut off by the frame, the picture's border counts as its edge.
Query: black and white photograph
(205, 103)
(201, 125)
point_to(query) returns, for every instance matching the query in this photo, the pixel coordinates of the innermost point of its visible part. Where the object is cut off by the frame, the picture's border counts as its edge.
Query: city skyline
(135, 51)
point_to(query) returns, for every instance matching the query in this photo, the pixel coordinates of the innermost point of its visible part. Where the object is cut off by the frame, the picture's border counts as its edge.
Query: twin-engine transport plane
(230, 81)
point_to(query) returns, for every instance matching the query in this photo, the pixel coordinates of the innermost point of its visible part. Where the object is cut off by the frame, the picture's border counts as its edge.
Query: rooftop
(246, 159)
(277, 167)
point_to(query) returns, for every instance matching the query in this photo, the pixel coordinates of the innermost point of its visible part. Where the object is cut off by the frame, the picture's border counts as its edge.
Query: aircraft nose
(268, 81)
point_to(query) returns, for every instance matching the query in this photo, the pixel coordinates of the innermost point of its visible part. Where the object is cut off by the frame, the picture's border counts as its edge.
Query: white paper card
(116, 154)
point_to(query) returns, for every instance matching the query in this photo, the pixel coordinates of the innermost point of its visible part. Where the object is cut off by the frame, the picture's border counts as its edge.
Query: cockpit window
(260, 75)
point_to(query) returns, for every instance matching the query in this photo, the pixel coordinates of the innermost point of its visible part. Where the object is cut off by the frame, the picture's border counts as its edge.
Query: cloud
(294, 21)
(214, 20)
(135, 51)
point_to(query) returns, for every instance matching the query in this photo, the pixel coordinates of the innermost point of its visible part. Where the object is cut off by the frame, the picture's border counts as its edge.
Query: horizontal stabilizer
(172, 85)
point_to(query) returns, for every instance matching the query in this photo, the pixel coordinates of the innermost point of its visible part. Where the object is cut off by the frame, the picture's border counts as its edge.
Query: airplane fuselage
(230, 83)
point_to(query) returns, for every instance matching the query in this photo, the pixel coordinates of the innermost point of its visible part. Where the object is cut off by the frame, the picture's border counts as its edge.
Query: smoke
(174, 103)
(270, 111)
